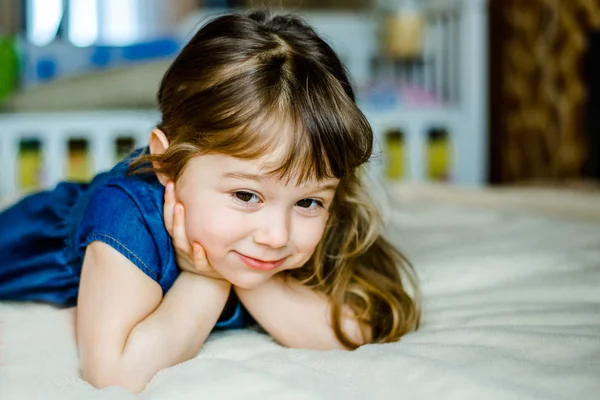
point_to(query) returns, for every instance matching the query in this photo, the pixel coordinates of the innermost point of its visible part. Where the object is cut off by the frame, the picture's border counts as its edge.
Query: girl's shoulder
(126, 211)
(143, 190)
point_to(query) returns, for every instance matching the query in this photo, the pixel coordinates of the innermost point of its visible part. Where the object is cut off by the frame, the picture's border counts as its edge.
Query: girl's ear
(158, 145)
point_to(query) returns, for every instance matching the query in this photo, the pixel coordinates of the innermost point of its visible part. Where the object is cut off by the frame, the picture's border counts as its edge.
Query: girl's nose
(274, 230)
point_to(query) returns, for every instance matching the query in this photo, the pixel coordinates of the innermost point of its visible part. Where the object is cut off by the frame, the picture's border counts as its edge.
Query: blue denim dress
(44, 236)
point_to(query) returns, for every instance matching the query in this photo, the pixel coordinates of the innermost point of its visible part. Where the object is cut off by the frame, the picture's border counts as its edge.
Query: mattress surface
(511, 311)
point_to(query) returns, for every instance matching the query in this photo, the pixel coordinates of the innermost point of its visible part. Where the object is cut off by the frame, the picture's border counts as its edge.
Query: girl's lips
(259, 264)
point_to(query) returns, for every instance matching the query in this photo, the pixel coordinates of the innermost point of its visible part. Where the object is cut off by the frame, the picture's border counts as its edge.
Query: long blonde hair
(249, 83)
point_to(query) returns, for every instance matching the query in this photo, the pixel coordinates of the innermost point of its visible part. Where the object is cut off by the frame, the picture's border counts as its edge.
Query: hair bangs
(279, 138)
(337, 130)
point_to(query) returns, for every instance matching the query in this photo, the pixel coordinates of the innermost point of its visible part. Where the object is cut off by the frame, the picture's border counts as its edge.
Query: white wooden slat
(142, 139)
(454, 127)
(438, 56)
(54, 155)
(471, 164)
(9, 150)
(453, 56)
(415, 145)
(102, 151)
(428, 54)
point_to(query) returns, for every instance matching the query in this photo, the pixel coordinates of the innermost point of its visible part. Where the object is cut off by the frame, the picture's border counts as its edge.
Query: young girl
(247, 202)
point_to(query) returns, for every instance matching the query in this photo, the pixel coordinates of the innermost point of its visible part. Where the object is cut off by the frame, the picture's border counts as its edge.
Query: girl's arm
(296, 316)
(127, 332)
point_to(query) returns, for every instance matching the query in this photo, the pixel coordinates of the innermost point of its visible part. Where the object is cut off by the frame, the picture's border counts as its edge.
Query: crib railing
(456, 44)
(102, 131)
(454, 70)
(54, 131)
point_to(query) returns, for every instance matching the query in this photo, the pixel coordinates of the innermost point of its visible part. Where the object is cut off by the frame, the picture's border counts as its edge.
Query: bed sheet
(511, 311)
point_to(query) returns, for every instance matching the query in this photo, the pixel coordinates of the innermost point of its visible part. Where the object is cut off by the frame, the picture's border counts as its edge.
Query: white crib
(455, 69)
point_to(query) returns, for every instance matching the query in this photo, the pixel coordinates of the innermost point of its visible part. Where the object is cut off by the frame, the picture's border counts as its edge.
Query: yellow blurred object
(438, 155)
(394, 142)
(78, 168)
(124, 146)
(30, 159)
(403, 33)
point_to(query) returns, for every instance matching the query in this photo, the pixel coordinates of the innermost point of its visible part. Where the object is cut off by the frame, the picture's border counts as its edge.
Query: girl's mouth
(260, 265)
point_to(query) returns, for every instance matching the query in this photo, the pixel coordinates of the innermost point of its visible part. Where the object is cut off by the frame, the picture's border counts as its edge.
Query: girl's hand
(190, 257)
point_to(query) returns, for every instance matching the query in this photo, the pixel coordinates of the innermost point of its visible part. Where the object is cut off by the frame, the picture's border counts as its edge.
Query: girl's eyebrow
(263, 178)
(244, 175)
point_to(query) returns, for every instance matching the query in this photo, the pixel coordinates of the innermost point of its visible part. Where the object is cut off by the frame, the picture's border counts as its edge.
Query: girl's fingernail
(177, 208)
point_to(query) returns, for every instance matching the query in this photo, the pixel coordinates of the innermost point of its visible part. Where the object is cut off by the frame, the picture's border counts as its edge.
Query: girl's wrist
(194, 289)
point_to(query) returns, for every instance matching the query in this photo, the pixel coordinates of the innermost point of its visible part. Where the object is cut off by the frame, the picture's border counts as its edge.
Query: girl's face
(250, 224)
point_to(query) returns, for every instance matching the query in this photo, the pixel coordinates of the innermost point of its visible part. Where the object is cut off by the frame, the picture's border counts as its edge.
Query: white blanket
(511, 311)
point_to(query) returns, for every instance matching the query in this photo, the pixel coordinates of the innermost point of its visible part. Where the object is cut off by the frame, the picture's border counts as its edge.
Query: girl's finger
(169, 206)
(179, 236)
(200, 260)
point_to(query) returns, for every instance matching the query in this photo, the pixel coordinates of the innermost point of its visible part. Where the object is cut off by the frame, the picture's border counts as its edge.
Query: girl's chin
(248, 281)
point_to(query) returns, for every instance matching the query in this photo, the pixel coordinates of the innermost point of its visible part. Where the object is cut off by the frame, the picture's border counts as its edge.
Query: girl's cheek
(309, 237)
(212, 225)
(199, 212)
(316, 232)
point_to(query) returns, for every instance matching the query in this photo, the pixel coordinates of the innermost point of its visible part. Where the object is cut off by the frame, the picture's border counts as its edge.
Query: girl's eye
(246, 197)
(309, 203)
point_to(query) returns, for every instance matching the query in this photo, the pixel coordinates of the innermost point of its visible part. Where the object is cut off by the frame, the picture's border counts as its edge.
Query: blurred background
(503, 91)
